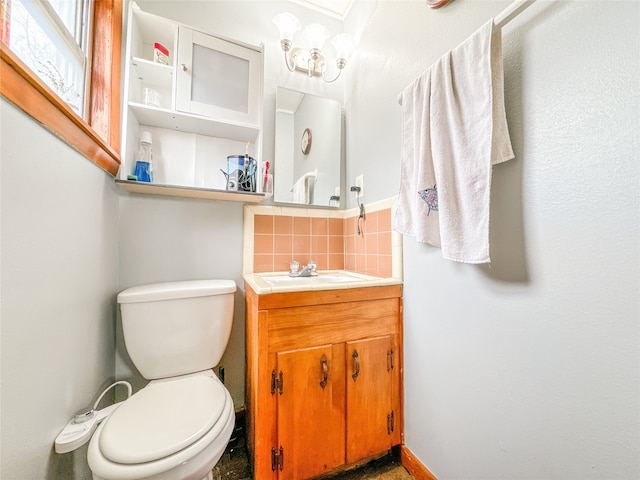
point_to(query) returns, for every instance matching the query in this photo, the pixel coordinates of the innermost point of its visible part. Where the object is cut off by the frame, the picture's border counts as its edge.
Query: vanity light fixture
(311, 60)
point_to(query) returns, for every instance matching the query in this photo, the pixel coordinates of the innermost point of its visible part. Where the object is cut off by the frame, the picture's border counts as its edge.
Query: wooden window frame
(97, 137)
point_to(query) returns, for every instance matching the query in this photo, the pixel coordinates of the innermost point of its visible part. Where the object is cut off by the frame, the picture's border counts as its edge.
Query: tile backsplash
(274, 236)
(279, 239)
(370, 250)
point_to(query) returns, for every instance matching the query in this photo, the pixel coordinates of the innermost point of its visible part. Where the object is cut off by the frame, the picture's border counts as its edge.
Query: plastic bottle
(144, 165)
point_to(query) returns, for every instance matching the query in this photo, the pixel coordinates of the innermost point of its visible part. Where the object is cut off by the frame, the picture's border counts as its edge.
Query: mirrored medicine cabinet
(308, 148)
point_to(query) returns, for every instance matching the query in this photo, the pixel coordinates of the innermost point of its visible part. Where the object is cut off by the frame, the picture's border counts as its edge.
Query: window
(61, 65)
(50, 37)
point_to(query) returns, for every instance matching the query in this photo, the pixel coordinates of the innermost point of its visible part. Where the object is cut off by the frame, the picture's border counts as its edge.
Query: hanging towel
(454, 129)
(302, 189)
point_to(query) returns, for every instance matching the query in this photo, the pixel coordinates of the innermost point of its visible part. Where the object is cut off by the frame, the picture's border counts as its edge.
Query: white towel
(454, 130)
(302, 189)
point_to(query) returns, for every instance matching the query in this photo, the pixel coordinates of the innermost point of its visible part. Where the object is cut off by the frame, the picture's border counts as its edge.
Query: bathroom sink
(321, 278)
(272, 282)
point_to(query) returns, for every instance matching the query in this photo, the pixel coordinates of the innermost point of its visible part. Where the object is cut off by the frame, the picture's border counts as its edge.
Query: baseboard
(414, 466)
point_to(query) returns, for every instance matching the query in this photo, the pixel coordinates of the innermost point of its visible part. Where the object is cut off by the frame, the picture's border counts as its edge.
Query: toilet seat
(168, 416)
(110, 454)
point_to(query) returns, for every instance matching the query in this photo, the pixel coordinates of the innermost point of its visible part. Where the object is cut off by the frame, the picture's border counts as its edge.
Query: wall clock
(305, 144)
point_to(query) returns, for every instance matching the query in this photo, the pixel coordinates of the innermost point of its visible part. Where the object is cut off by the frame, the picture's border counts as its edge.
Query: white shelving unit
(189, 148)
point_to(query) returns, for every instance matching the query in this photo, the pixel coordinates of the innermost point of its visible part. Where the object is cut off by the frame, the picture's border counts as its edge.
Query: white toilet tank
(178, 327)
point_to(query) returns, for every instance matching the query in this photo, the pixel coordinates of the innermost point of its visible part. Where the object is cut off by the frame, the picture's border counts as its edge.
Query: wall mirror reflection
(307, 149)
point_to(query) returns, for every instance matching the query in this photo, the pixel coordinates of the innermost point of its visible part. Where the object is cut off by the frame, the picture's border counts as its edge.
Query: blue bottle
(144, 165)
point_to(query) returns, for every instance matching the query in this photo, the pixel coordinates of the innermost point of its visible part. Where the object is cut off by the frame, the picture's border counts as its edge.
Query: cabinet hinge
(276, 382)
(390, 423)
(389, 359)
(277, 459)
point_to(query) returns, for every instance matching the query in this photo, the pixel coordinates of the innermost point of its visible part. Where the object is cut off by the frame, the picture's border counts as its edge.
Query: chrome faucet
(308, 270)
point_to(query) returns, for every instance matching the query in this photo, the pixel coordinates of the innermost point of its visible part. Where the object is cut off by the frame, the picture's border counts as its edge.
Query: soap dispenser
(144, 165)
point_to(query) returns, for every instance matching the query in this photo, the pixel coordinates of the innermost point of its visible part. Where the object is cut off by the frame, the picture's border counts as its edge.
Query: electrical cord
(361, 220)
(361, 217)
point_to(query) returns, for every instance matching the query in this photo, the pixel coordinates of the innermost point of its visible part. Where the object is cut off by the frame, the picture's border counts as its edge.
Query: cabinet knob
(184, 67)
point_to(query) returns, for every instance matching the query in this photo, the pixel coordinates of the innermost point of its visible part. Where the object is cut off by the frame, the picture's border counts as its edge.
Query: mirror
(307, 149)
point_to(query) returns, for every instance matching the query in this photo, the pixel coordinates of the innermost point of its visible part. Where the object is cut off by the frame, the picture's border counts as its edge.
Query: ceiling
(333, 8)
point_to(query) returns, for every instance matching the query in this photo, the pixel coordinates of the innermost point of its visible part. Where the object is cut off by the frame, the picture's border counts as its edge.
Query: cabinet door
(370, 415)
(217, 78)
(311, 411)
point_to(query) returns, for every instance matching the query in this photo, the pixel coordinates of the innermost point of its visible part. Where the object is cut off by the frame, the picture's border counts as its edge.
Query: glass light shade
(316, 35)
(287, 24)
(343, 43)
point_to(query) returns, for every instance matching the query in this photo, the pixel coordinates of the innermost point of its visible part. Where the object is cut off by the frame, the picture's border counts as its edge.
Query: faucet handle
(293, 267)
(311, 266)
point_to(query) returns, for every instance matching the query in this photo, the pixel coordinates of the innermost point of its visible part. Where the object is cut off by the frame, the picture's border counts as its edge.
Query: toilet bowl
(178, 426)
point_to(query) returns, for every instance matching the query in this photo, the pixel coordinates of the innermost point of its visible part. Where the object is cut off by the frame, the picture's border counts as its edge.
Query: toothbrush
(266, 176)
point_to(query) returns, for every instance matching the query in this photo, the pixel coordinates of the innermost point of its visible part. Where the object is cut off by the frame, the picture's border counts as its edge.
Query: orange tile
(384, 220)
(319, 226)
(281, 262)
(319, 244)
(336, 244)
(283, 225)
(350, 262)
(283, 244)
(360, 245)
(322, 261)
(351, 226)
(335, 226)
(301, 225)
(371, 222)
(336, 261)
(263, 263)
(263, 224)
(385, 266)
(263, 244)
(350, 245)
(384, 243)
(371, 265)
(332, 243)
(371, 243)
(301, 247)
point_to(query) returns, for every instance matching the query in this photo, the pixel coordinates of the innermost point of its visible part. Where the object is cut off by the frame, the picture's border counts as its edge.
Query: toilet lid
(162, 418)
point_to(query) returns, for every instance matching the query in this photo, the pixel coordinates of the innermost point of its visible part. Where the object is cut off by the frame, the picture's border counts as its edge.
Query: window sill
(19, 86)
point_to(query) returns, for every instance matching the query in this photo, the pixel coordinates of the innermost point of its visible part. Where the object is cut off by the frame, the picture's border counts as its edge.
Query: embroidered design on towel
(430, 196)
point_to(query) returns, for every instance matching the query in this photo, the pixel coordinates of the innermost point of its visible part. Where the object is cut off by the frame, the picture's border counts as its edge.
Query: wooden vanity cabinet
(324, 379)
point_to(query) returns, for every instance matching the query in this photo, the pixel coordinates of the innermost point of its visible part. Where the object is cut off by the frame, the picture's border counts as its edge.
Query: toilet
(178, 426)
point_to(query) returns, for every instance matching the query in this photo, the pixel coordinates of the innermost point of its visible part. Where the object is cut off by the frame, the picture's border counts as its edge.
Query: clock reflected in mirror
(305, 144)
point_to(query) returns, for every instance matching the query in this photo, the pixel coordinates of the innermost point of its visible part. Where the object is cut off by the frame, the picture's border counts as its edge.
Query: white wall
(166, 239)
(527, 368)
(59, 251)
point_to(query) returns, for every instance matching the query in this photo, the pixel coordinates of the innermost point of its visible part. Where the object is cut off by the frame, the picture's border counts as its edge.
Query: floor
(234, 465)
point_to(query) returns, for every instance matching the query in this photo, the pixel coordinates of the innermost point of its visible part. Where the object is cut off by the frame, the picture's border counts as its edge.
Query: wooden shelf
(186, 122)
(189, 192)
